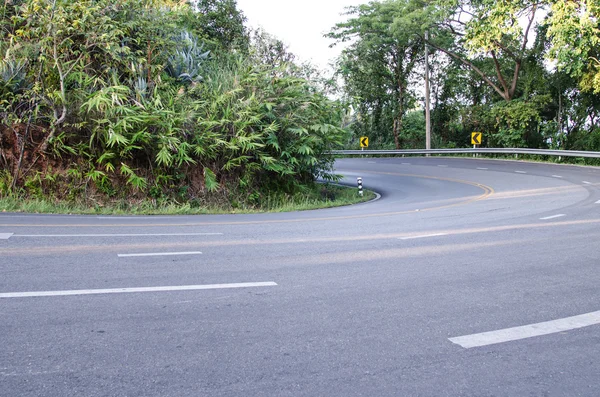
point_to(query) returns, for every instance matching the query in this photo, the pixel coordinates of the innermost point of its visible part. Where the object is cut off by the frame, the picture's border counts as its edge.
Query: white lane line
(556, 176)
(131, 290)
(405, 163)
(372, 162)
(552, 217)
(423, 236)
(118, 235)
(442, 165)
(527, 331)
(520, 172)
(587, 183)
(481, 168)
(160, 254)
(5, 236)
(598, 202)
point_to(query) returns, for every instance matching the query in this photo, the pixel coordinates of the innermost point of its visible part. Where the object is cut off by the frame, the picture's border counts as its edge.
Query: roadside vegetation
(524, 73)
(309, 198)
(171, 104)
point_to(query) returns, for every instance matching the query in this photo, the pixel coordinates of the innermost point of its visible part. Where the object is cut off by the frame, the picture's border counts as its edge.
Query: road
(468, 277)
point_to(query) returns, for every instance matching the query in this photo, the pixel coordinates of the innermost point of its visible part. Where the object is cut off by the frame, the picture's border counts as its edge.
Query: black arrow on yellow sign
(476, 138)
(364, 141)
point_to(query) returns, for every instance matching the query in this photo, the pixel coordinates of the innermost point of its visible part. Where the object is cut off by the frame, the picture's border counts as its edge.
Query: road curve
(468, 277)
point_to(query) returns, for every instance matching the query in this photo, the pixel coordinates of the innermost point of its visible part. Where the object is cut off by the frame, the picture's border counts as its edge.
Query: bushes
(145, 111)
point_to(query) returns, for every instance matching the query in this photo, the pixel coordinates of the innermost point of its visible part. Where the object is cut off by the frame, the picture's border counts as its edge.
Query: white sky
(300, 24)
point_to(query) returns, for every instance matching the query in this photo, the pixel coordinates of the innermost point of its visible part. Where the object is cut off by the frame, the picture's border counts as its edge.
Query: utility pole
(427, 99)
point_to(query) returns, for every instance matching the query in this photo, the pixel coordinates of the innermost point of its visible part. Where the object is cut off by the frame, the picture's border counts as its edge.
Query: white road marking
(131, 290)
(520, 172)
(442, 165)
(423, 236)
(372, 162)
(160, 254)
(405, 163)
(587, 183)
(598, 202)
(527, 331)
(552, 217)
(5, 236)
(118, 235)
(481, 168)
(556, 176)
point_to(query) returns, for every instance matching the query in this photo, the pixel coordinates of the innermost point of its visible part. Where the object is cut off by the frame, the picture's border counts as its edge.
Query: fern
(210, 180)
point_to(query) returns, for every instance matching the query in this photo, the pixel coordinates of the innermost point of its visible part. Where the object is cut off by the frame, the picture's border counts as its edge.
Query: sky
(300, 24)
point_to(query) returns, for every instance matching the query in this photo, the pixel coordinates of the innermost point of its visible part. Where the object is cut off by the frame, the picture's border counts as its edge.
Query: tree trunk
(398, 121)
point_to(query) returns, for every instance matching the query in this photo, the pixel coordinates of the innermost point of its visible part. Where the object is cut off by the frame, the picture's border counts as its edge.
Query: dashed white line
(423, 236)
(552, 217)
(587, 183)
(131, 290)
(372, 162)
(520, 172)
(118, 235)
(481, 168)
(556, 176)
(527, 331)
(598, 202)
(160, 254)
(405, 163)
(5, 236)
(442, 165)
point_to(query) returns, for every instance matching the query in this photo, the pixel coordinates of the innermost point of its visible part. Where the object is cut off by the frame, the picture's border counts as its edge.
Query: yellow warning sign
(476, 138)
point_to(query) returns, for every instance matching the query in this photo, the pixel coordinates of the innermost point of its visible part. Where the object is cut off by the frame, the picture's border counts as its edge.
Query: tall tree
(379, 63)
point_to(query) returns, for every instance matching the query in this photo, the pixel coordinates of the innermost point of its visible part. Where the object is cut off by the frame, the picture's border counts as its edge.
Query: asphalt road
(466, 278)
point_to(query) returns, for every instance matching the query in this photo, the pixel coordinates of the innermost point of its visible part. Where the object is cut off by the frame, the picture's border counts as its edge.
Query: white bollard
(359, 183)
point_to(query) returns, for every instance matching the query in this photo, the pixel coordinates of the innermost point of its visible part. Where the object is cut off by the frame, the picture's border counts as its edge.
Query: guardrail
(539, 152)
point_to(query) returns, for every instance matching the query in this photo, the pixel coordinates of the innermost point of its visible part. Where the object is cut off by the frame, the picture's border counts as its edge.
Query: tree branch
(519, 61)
(471, 66)
(499, 72)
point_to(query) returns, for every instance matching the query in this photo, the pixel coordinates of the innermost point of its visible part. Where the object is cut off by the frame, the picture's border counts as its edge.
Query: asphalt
(367, 296)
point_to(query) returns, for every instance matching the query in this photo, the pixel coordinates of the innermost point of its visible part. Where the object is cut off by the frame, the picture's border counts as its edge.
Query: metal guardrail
(539, 152)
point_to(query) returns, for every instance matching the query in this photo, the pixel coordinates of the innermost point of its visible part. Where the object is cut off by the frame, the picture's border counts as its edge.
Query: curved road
(467, 277)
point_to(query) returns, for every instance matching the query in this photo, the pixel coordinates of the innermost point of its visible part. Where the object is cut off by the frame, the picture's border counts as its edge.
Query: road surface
(467, 277)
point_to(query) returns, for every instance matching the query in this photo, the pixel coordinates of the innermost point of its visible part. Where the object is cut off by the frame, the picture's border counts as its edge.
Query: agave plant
(185, 63)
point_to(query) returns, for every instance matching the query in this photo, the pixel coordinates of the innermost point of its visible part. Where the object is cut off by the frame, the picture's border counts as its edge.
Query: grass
(316, 197)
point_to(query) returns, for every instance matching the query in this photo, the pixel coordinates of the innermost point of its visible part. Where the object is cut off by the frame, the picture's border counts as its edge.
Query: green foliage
(413, 131)
(130, 92)
(489, 71)
(518, 122)
(378, 66)
(186, 63)
(575, 39)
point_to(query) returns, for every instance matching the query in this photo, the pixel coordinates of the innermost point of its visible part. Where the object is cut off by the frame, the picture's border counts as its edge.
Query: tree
(574, 30)
(378, 65)
(470, 30)
(220, 22)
